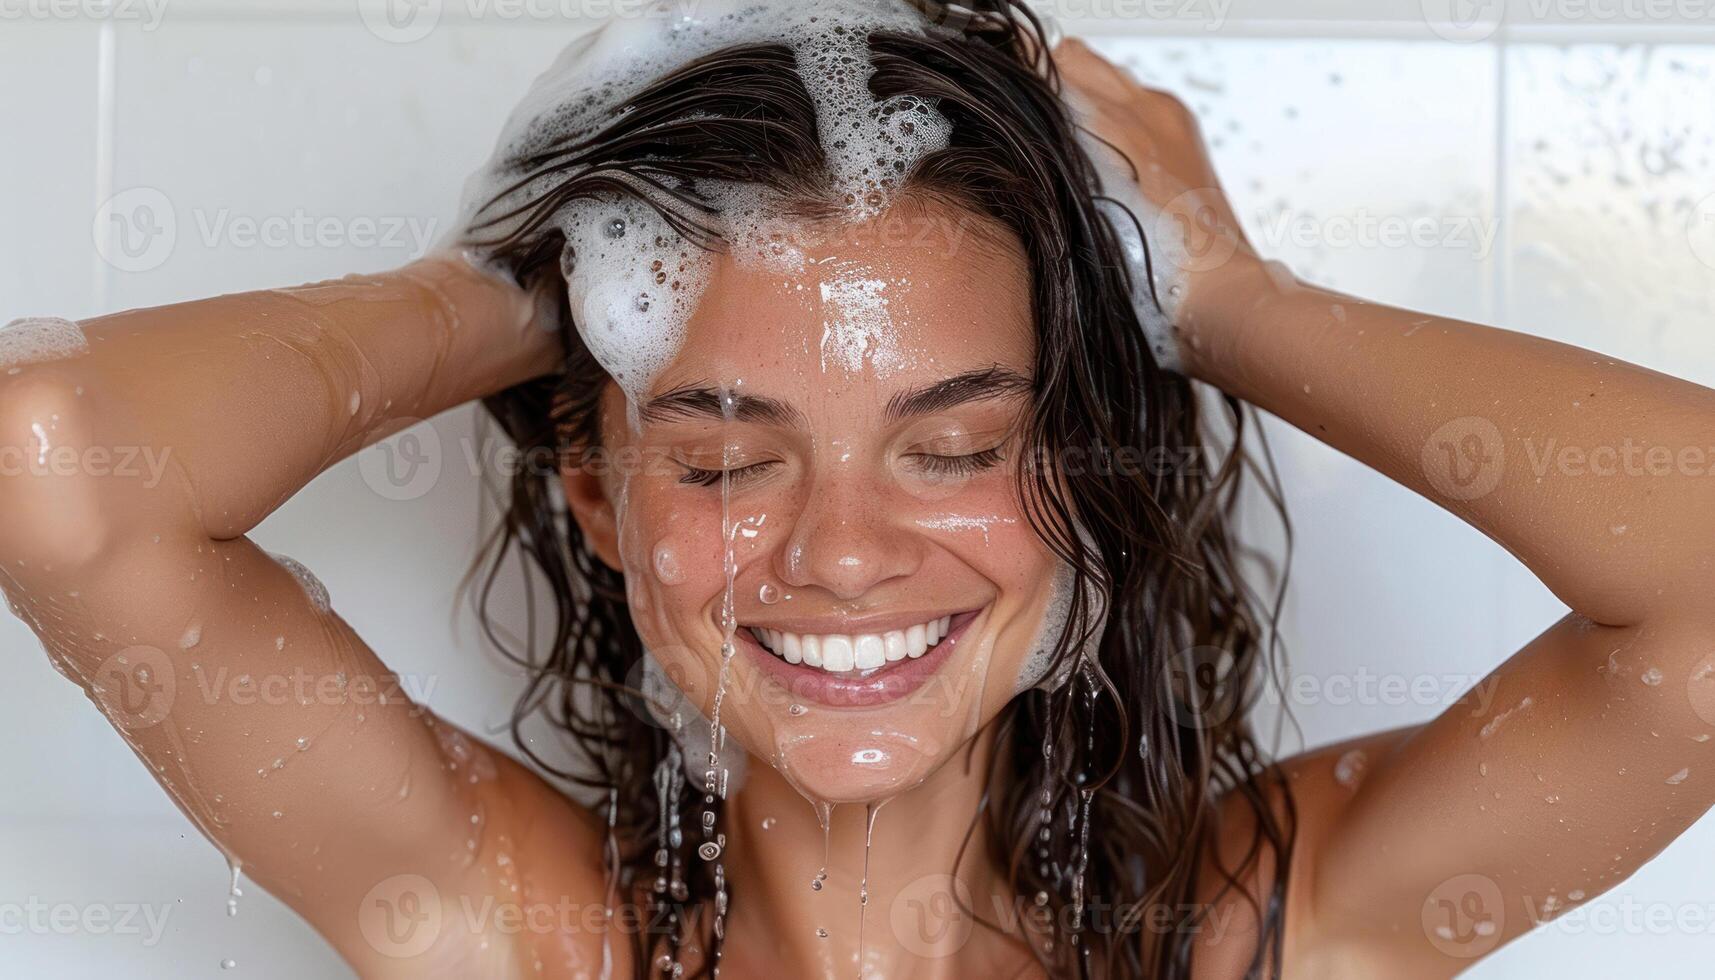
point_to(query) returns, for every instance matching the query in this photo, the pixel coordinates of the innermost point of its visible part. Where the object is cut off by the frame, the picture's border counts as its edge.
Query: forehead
(920, 293)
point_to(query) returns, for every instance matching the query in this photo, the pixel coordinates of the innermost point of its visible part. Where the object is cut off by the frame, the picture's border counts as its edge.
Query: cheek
(671, 553)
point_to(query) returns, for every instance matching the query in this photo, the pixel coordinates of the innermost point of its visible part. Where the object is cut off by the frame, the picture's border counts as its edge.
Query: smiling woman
(896, 373)
(851, 544)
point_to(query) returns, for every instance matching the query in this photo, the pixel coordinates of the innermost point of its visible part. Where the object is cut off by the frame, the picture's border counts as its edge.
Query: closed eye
(937, 465)
(741, 474)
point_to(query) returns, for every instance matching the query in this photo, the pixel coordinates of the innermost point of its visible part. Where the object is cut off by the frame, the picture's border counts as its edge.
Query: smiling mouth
(839, 653)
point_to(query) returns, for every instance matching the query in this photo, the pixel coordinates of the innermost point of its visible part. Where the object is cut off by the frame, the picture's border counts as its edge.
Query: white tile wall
(1588, 164)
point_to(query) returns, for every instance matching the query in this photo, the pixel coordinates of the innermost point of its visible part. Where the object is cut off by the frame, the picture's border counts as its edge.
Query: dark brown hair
(1150, 731)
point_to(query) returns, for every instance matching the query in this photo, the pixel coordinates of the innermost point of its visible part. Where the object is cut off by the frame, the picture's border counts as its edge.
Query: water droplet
(667, 567)
(1350, 768)
(1651, 677)
(795, 710)
(768, 595)
(228, 964)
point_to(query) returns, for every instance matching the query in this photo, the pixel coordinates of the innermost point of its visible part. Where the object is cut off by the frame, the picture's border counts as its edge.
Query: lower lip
(860, 689)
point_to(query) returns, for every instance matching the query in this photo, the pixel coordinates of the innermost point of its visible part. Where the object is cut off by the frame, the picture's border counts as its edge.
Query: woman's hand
(1206, 248)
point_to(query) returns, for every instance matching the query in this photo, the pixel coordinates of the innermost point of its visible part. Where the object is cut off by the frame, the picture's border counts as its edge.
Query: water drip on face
(667, 567)
(714, 842)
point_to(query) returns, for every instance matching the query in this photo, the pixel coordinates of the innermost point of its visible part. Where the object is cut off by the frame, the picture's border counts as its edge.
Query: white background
(1578, 135)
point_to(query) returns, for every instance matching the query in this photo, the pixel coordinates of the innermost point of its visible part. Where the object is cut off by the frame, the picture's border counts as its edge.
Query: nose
(843, 541)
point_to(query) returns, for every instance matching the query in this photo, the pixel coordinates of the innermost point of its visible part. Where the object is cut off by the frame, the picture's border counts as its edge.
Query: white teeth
(840, 652)
(837, 654)
(870, 652)
(893, 642)
(812, 649)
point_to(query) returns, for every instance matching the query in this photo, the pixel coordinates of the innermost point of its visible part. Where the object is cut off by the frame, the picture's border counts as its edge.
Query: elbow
(51, 516)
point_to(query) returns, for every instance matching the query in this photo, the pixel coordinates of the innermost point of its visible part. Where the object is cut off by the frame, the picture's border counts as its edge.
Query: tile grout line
(106, 95)
(1500, 263)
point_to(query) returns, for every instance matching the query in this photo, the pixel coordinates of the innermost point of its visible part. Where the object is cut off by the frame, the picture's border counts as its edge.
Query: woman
(884, 527)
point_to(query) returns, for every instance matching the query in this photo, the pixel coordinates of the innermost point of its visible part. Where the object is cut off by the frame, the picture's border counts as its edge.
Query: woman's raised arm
(141, 465)
(1589, 750)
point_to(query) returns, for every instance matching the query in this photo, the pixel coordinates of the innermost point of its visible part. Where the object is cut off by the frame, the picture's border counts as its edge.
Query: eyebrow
(700, 401)
(991, 382)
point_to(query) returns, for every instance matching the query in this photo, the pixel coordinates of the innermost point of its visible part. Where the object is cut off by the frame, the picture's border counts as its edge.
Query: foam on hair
(633, 281)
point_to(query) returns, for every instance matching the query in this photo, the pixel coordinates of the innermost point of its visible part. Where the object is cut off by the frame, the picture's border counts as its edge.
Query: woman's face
(889, 596)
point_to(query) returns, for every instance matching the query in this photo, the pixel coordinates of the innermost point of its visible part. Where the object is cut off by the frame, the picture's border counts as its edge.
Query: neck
(901, 852)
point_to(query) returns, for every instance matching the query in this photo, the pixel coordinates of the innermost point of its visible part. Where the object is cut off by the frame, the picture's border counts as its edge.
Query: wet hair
(1147, 735)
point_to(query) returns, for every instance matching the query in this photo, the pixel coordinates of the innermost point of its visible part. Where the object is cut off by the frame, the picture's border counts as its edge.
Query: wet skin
(114, 576)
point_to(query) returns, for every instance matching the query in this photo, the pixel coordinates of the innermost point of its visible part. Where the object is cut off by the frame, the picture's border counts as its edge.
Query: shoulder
(1276, 827)
(543, 880)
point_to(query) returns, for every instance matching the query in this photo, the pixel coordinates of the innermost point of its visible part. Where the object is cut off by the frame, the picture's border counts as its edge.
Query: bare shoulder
(538, 901)
(1304, 797)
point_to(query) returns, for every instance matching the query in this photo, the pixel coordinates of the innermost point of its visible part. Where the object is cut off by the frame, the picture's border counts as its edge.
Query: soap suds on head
(633, 282)
(1155, 251)
(38, 340)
